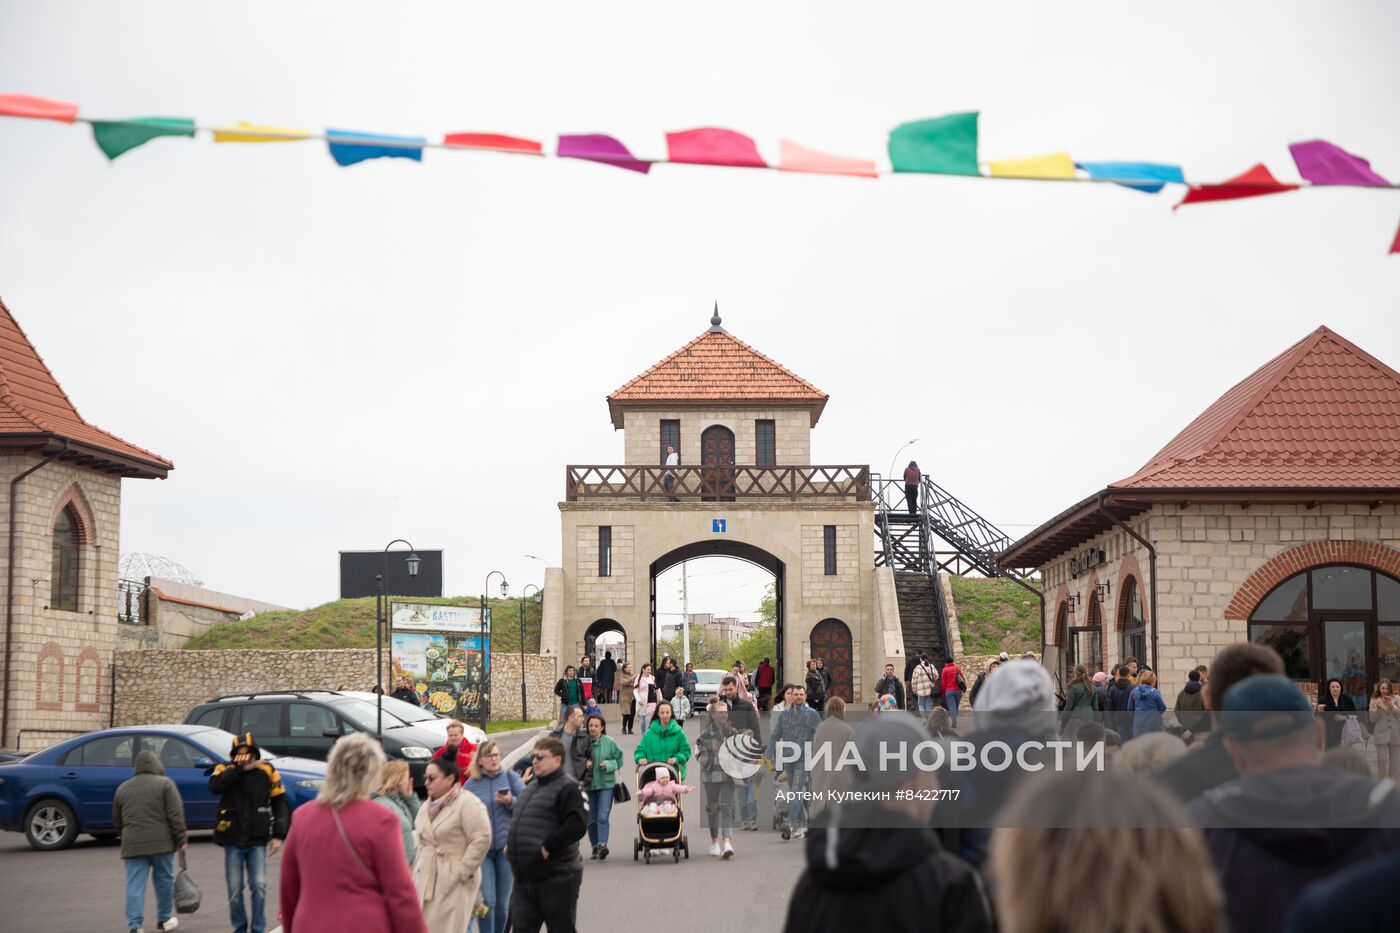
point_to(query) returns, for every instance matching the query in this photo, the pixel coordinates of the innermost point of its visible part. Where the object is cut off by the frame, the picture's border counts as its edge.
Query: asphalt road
(79, 890)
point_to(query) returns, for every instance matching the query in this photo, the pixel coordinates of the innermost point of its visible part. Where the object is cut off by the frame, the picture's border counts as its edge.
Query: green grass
(996, 615)
(349, 623)
(512, 724)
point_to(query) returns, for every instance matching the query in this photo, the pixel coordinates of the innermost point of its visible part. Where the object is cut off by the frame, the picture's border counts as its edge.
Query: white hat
(1003, 656)
(1018, 686)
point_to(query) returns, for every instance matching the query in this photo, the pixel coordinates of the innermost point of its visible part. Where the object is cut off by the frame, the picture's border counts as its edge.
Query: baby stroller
(660, 833)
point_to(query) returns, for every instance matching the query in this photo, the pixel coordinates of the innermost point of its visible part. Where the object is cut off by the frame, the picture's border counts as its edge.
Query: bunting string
(946, 145)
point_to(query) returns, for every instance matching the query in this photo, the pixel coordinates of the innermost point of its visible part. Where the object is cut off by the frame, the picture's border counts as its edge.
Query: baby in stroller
(660, 795)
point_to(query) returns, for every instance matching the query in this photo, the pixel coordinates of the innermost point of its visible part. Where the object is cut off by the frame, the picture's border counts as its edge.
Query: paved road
(80, 890)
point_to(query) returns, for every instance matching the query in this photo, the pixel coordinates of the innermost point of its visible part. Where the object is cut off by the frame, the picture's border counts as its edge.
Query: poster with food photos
(446, 652)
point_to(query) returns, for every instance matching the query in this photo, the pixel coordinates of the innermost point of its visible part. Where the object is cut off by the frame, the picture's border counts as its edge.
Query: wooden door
(717, 464)
(831, 641)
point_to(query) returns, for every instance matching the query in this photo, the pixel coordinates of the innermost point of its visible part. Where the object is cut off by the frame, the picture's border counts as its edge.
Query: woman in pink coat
(343, 867)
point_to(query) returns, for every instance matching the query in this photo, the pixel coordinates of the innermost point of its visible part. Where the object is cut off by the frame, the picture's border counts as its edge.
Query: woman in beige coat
(626, 699)
(454, 834)
(1385, 725)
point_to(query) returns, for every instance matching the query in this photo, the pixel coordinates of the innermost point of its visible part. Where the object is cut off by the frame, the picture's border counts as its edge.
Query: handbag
(620, 792)
(186, 891)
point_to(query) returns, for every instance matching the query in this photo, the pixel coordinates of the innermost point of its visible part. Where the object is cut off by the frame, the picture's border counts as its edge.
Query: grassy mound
(996, 615)
(349, 623)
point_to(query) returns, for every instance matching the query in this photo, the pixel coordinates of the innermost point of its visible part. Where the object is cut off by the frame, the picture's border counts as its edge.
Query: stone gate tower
(742, 486)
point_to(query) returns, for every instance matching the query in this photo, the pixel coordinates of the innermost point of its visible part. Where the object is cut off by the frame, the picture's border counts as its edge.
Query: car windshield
(366, 715)
(216, 742)
(403, 709)
(710, 677)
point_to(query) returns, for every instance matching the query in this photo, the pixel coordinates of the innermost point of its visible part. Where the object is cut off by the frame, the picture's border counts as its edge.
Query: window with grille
(766, 440)
(604, 550)
(829, 549)
(63, 593)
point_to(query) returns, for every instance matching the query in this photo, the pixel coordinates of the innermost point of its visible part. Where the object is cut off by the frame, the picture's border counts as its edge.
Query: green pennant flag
(945, 145)
(117, 137)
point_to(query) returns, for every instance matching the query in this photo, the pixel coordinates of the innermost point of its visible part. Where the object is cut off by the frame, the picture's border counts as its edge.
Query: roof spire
(715, 327)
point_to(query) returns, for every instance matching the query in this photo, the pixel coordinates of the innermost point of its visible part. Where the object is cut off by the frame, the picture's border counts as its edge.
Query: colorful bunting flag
(1322, 163)
(493, 141)
(348, 147)
(1054, 165)
(117, 137)
(245, 132)
(1251, 184)
(795, 158)
(37, 108)
(597, 147)
(1114, 171)
(1395, 247)
(713, 146)
(944, 145)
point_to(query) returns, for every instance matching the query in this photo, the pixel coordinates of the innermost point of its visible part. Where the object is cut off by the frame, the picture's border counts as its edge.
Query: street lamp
(539, 597)
(486, 633)
(895, 458)
(413, 561)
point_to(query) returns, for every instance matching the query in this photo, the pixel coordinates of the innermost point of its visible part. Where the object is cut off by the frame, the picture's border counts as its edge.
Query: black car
(306, 725)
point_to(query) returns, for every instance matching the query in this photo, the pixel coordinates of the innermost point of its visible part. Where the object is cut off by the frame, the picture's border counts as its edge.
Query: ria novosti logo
(740, 756)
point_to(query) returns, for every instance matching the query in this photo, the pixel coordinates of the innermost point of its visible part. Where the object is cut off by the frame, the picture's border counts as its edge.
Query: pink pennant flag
(713, 146)
(797, 158)
(37, 108)
(494, 141)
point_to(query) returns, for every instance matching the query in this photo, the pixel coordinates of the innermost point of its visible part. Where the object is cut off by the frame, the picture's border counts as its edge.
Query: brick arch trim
(82, 511)
(1371, 554)
(88, 666)
(1060, 601)
(48, 685)
(1131, 568)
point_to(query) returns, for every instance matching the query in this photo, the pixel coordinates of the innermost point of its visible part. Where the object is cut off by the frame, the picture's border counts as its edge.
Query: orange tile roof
(34, 406)
(1324, 414)
(717, 367)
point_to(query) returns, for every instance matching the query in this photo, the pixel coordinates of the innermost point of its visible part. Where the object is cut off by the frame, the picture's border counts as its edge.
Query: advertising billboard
(446, 652)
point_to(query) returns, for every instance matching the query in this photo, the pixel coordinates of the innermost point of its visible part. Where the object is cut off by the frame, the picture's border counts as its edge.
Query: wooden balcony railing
(716, 483)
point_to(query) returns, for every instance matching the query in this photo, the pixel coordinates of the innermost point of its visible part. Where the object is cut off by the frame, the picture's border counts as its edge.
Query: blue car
(68, 788)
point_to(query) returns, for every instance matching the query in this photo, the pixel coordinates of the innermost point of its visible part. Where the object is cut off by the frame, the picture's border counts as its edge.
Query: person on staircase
(912, 478)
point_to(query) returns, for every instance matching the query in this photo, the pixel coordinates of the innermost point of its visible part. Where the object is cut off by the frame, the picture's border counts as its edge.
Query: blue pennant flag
(371, 146)
(1137, 171)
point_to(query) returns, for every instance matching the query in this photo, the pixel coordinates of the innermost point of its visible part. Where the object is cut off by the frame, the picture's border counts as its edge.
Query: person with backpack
(149, 815)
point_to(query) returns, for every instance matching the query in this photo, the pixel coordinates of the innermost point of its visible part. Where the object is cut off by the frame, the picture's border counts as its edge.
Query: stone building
(742, 486)
(62, 518)
(1274, 516)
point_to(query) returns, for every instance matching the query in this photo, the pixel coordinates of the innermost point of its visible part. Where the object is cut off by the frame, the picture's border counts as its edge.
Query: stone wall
(616, 588)
(792, 428)
(156, 686)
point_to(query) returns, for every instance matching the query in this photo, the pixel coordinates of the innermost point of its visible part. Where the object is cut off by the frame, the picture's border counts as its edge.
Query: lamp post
(413, 561)
(895, 458)
(486, 633)
(539, 595)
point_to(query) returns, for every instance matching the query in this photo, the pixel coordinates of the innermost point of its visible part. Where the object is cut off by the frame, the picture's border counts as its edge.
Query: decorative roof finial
(715, 327)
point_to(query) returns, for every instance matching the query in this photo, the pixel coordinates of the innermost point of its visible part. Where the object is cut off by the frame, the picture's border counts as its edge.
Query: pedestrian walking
(743, 718)
(586, 675)
(669, 679)
(578, 748)
(981, 681)
(922, 684)
(912, 477)
(826, 676)
(457, 745)
(690, 680)
(149, 815)
(763, 682)
(498, 790)
(718, 786)
(890, 684)
(916, 656)
(664, 741)
(1146, 704)
(645, 692)
(1079, 701)
(1101, 706)
(404, 691)
(1385, 728)
(1119, 692)
(568, 690)
(816, 687)
(680, 705)
(253, 821)
(829, 749)
(454, 833)
(626, 697)
(1336, 708)
(741, 680)
(1190, 708)
(550, 819)
(395, 791)
(607, 676)
(953, 684)
(344, 868)
(791, 745)
(607, 759)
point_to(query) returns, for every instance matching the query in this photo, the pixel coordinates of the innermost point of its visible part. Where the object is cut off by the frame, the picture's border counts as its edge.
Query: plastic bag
(186, 891)
(1351, 732)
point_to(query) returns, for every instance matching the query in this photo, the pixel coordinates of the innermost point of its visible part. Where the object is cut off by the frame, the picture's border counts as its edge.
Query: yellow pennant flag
(1054, 165)
(246, 132)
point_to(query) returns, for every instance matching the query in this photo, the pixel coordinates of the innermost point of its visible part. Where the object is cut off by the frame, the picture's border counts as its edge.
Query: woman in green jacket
(607, 758)
(396, 792)
(1080, 701)
(664, 741)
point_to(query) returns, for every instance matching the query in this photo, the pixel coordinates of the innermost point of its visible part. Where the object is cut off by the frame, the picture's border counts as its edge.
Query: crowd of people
(1248, 789)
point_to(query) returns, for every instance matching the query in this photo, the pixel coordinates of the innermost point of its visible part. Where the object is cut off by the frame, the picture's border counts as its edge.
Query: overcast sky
(337, 357)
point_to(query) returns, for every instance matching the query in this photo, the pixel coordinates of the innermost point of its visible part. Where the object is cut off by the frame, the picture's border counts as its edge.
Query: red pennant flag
(713, 146)
(494, 141)
(1253, 183)
(37, 108)
(1395, 247)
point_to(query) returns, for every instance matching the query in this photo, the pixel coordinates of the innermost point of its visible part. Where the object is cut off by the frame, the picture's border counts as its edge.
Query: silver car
(706, 688)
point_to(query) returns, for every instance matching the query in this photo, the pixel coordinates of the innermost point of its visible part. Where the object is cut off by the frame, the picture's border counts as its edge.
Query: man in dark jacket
(1287, 821)
(253, 821)
(743, 717)
(542, 846)
(1120, 720)
(578, 747)
(404, 691)
(890, 684)
(876, 866)
(569, 691)
(1190, 707)
(1360, 898)
(150, 817)
(1208, 764)
(607, 674)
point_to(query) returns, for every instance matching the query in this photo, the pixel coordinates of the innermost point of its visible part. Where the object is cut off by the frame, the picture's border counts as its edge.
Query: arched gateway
(717, 441)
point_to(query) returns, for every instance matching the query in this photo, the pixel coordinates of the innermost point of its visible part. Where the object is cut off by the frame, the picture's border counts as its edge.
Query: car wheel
(50, 825)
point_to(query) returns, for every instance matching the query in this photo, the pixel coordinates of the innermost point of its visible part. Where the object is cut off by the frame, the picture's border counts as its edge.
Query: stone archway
(596, 631)
(831, 641)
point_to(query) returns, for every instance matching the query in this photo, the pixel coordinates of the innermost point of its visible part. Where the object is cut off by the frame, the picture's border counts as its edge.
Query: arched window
(63, 582)
(1132, 628)
(1085, 645)
(1334, 620)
